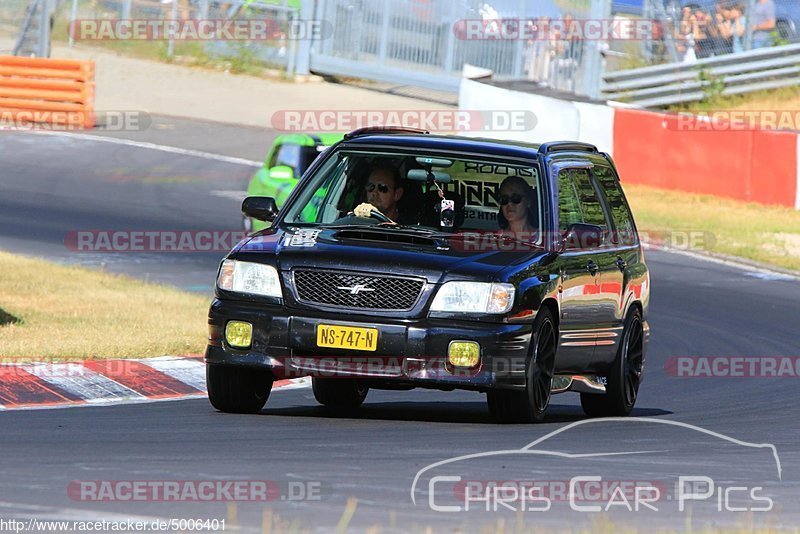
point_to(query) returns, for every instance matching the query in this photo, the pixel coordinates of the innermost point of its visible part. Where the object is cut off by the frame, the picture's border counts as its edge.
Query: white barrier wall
(556, 120)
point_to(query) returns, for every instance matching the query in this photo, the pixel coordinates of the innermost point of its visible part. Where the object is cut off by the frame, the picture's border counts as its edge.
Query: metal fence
(728, 74)
(12, 18)
(426, 43)
(692, 30)
(275, 52)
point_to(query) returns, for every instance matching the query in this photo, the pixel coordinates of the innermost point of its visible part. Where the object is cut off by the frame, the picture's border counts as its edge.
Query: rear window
(620, 212)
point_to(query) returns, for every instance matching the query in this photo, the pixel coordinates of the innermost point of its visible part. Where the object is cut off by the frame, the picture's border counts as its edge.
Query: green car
(288, 159)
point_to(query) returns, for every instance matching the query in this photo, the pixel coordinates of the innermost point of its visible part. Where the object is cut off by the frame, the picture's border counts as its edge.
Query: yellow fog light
(239, 334)
(464, 353)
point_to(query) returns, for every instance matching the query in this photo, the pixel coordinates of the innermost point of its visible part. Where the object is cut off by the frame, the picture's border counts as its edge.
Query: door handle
(592, 267)
(621, 264)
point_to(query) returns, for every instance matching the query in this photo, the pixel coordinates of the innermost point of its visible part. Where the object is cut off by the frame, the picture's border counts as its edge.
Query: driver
(384, 191)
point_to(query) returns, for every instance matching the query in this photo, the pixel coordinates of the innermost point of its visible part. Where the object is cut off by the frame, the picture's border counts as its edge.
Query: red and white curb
(98, 382)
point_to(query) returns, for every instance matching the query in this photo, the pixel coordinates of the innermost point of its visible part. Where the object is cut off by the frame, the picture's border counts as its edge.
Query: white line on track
(152, 146)
(752, 270)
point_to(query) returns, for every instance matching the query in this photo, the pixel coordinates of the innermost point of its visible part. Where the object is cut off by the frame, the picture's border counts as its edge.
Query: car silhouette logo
(356, 289)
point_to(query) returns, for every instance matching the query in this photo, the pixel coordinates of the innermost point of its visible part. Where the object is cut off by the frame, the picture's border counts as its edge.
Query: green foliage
(245, 61)
(778, 39)
(712, 86)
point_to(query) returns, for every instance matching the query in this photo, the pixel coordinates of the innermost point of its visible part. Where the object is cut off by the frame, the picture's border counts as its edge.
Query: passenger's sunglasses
(514, 199)
(370, 187)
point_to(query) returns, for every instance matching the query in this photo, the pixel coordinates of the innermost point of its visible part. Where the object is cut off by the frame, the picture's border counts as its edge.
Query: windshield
(486, 195)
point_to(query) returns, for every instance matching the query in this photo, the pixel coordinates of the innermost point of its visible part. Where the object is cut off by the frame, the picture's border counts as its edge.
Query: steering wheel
(375, 214)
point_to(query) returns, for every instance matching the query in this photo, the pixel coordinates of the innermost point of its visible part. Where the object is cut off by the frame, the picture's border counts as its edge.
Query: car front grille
(349, 290)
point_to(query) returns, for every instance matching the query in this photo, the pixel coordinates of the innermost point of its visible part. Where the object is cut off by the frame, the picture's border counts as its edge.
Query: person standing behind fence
(720, 44)
(685, 32)
(763, 23)
(541, 52)
(734, 27)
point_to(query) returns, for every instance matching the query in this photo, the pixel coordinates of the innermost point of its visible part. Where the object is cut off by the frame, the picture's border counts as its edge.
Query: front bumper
(410, 353)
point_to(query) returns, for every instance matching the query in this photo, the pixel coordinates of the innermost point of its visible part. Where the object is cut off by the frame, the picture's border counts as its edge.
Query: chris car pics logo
(570, 479)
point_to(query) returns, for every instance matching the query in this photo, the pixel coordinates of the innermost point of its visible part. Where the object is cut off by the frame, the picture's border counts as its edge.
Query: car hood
(436, 257)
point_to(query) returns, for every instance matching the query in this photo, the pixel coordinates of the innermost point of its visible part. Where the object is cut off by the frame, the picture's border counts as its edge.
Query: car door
(623, 257)
(606, 299)
(580, 268)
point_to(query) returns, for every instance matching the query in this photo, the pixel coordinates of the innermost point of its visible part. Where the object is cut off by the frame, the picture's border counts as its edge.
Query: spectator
(720, 44)
(686, 30)
(763, 23)
(541, 52)
(734, 27)
(701, 37)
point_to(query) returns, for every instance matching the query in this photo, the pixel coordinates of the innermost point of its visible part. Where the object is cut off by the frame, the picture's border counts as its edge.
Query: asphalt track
(52, 185)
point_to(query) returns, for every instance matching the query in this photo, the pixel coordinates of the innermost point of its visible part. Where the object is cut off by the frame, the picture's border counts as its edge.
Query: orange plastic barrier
(43, 90)
(655, 149)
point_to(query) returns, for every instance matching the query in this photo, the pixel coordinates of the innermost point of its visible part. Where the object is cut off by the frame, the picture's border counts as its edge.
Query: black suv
(517, 271)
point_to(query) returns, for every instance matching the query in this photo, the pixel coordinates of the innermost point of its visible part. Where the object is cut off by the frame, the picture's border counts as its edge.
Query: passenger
(384, 190)
(517, 215)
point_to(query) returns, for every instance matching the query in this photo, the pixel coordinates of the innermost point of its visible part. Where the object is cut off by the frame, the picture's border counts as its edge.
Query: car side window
(289, 155)
(589, 202)
(273, 158)
(569, 210)
(620, 212)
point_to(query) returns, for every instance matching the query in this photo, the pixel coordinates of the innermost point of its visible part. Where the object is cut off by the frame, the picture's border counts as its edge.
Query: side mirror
(281, 172)
(260, 208)
(581, 236)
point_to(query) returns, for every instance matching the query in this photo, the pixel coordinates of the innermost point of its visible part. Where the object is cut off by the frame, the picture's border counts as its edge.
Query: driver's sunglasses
(370, 187)
(514, 199)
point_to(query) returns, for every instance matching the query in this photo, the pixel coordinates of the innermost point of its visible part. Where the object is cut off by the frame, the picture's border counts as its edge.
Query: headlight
(250, 278)
(474, 297)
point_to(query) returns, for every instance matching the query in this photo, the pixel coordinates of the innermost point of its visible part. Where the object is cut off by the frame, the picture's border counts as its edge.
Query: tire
(237, 389)
(530, 405)
(625, 376)
(339, 392)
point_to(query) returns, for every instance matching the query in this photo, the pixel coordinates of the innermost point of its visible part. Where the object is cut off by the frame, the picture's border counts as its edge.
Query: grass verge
(786, 98)
(63, 313)
(765, 234)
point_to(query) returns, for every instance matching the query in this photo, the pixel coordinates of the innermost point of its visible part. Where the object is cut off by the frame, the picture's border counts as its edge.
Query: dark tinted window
(590, 204)
(299, 158)
(569, 209)
(620, 213)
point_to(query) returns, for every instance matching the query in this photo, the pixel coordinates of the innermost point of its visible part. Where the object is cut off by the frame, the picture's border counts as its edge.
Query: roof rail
(565, 146)
(383, 130)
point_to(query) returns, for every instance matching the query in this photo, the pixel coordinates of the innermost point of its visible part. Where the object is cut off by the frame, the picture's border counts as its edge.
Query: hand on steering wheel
(367, 210)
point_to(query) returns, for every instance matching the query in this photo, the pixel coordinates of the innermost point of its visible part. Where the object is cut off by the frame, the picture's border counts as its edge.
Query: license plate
(347, 337)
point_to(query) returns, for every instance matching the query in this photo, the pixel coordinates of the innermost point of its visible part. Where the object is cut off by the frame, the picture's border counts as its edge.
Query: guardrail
(53, 91)
(729, 74)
